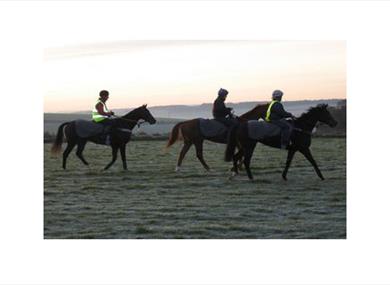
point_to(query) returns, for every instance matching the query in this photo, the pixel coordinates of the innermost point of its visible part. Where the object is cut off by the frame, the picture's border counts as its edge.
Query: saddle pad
(86, 129)
(211, 128)
(260, 130)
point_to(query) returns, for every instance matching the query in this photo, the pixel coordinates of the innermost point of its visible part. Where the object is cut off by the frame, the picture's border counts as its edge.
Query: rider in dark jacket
(222, 113)
(277, 115)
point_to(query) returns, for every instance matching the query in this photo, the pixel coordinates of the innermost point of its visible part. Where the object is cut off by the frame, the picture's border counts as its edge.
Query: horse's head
(146, 115)
(324, 116)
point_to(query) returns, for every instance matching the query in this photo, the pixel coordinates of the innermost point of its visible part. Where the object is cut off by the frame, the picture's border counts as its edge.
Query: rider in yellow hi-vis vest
(101, 115)
(277, 115)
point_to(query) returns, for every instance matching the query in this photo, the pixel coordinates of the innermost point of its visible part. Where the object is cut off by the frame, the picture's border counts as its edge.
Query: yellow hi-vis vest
(96, 117)
(268, 115)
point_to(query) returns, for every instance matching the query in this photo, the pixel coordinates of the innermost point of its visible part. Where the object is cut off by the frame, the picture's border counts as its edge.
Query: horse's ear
(145, 105)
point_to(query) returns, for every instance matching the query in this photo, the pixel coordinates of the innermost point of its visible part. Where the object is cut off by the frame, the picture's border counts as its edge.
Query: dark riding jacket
(278, 112)
(220, 111)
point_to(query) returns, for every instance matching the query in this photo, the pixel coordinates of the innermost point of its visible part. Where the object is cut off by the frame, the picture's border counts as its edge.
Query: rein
(304, 131)
(139, 123)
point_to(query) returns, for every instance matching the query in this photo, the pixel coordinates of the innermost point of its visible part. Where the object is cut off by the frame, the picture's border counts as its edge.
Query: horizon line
(192, 105)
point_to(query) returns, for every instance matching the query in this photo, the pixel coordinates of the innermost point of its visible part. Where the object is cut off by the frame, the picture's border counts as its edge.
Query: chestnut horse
(189, 132)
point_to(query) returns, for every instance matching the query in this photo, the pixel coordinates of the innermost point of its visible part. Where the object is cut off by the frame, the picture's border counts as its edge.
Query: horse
(120, 136)
(300, 140)
(189, 132)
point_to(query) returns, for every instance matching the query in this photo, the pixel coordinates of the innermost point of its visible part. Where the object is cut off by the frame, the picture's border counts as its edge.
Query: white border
(25, 258)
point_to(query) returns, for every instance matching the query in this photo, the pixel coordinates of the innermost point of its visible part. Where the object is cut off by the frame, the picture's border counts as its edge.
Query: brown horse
(300, 140)
(189, 132)
(120, 136)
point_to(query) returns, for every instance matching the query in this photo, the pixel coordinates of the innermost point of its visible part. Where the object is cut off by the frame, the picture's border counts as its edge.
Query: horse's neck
(132, 116)
(307, 123)
(254, 114)
(133, 119)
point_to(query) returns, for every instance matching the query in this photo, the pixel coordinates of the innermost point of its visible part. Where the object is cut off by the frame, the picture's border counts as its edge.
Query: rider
(222, 113)
(277, 115)
(101, 115)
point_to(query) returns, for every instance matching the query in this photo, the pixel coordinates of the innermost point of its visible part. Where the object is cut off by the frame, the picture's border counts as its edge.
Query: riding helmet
(222, 92)
(103, 93)
(277, 94)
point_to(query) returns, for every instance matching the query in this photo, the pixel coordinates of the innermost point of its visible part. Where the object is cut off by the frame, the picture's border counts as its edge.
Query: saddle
(210, 128)
(259, 130)
(85, 129)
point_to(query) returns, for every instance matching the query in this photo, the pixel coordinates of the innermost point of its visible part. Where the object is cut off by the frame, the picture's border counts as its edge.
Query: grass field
(150, 200)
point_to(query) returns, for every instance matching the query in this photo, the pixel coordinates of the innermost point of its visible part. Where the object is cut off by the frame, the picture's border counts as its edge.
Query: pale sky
(191, 72)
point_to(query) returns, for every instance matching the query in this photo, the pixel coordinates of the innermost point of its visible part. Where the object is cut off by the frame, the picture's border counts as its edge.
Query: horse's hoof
(284, 177)
(177, 169)
(232, 175)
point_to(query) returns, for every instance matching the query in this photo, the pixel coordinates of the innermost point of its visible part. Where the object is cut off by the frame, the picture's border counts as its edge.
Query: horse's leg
(237, 160)
(69, 147)
(240, 162)
(122, 149)
(290, 156)
(80, 149)
(199, 154)
(185, 148)
(114, 155)
(306, 152)
(248, 152)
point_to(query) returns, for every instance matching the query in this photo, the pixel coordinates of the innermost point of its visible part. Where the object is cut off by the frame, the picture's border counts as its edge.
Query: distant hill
(168, 116)
(204, 110)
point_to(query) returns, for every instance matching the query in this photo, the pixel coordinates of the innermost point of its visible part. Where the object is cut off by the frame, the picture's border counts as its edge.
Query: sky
(190, 72)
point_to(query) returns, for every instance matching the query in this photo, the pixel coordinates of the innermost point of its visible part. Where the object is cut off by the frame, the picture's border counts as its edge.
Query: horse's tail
(231, 143)
(56, 148)
(175, 135)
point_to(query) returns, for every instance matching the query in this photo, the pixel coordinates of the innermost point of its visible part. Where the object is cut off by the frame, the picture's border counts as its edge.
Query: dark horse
(120, 136)
(189, 132)
(300, 138)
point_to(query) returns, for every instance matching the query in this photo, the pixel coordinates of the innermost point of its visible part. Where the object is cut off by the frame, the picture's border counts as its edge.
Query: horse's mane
(253, 109)
(260, 105)
(135, 110)
(313, 110)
